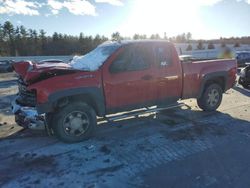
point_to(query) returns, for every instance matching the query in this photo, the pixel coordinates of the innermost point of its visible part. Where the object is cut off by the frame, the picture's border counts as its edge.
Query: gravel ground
(184, 147)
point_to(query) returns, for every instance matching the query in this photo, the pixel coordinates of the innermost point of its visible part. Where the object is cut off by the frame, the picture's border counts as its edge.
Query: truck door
(169, 73)
(128, 79)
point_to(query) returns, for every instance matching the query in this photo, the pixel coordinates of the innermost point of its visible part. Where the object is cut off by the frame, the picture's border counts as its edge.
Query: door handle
(147, 77)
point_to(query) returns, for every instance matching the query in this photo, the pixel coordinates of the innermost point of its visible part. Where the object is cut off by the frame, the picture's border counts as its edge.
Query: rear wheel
(211, 98)
(74, 123)
(245, 85)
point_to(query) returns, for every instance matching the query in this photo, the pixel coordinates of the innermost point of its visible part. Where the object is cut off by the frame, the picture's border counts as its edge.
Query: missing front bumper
(28, 117)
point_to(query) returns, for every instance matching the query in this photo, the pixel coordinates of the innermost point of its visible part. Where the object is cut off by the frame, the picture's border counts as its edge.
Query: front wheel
(211, 98)
(74, 123)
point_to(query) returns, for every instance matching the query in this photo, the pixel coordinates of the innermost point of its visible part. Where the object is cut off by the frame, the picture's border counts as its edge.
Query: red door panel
(169, 73)
(134, 85)
(127, 89)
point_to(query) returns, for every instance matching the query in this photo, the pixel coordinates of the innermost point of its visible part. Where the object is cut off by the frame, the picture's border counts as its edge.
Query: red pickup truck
(115, 77)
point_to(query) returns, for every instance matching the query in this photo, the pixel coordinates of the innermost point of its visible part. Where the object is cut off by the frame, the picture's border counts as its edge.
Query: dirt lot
(184, 147)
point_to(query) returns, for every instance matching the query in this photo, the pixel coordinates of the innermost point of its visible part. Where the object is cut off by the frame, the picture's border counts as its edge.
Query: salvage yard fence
(209, 53)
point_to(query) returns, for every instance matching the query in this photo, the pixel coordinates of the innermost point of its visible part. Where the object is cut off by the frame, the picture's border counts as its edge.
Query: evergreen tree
(8, 33)
(42, 42)
(116, 36)
(20, 41)
(189, 36)
(155, 36)
(2, 44)
(136, 36)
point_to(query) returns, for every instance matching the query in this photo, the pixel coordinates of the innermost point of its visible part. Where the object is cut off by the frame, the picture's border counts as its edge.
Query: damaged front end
(24, 105)
(28, 117)
(24, 108)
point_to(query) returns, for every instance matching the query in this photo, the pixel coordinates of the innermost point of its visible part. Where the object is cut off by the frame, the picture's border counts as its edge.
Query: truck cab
(142, 74)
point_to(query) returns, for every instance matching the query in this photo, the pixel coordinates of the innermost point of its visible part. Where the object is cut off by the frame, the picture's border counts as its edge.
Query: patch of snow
(94, 59)
(47, 65)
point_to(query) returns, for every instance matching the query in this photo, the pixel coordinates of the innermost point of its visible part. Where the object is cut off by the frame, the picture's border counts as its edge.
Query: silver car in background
(6, 66)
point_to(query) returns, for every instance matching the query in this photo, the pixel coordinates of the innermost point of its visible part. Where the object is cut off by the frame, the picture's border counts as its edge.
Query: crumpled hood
(31, 72)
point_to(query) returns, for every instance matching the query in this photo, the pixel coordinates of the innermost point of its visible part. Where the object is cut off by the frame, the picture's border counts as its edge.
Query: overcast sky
(205, 19)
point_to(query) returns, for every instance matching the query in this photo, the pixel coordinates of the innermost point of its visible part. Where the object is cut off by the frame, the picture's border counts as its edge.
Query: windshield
(94, 59)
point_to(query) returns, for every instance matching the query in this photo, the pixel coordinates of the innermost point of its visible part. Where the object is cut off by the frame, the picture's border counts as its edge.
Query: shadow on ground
(176, 124)
(242, 90)
(5, 104)
(137, 139)
(8, 83)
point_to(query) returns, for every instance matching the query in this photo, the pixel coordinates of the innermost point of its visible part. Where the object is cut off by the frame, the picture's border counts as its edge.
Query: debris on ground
(104, 149)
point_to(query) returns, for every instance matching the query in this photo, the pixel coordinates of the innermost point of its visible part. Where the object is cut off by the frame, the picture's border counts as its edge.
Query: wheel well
(88, 99)
(217, 80)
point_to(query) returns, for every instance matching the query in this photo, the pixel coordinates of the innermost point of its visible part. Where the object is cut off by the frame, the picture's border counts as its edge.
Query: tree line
(181, 38)
(20, 41)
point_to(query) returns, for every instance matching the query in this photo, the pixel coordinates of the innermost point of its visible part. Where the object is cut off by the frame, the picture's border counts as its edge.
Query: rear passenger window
(163, 56)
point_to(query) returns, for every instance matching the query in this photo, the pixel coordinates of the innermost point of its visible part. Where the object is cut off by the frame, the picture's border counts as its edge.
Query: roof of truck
(125, 42)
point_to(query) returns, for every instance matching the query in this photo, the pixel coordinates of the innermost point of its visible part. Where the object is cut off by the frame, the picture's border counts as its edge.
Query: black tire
(211, 98)
(74, 123)
(245, 85)
(9, 69)
(49, 123)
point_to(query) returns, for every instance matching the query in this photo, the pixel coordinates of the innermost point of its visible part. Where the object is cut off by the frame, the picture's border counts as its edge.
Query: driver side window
(121, 61)
(132, 58)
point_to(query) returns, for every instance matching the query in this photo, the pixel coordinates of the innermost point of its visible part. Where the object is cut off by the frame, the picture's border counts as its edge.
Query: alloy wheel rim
(76, 123)
(213, 97)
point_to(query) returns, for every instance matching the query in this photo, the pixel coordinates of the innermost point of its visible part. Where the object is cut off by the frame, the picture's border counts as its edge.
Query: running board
(141, 112)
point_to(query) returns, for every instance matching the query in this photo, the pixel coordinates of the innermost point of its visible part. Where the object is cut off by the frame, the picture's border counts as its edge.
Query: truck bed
(195, 72)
